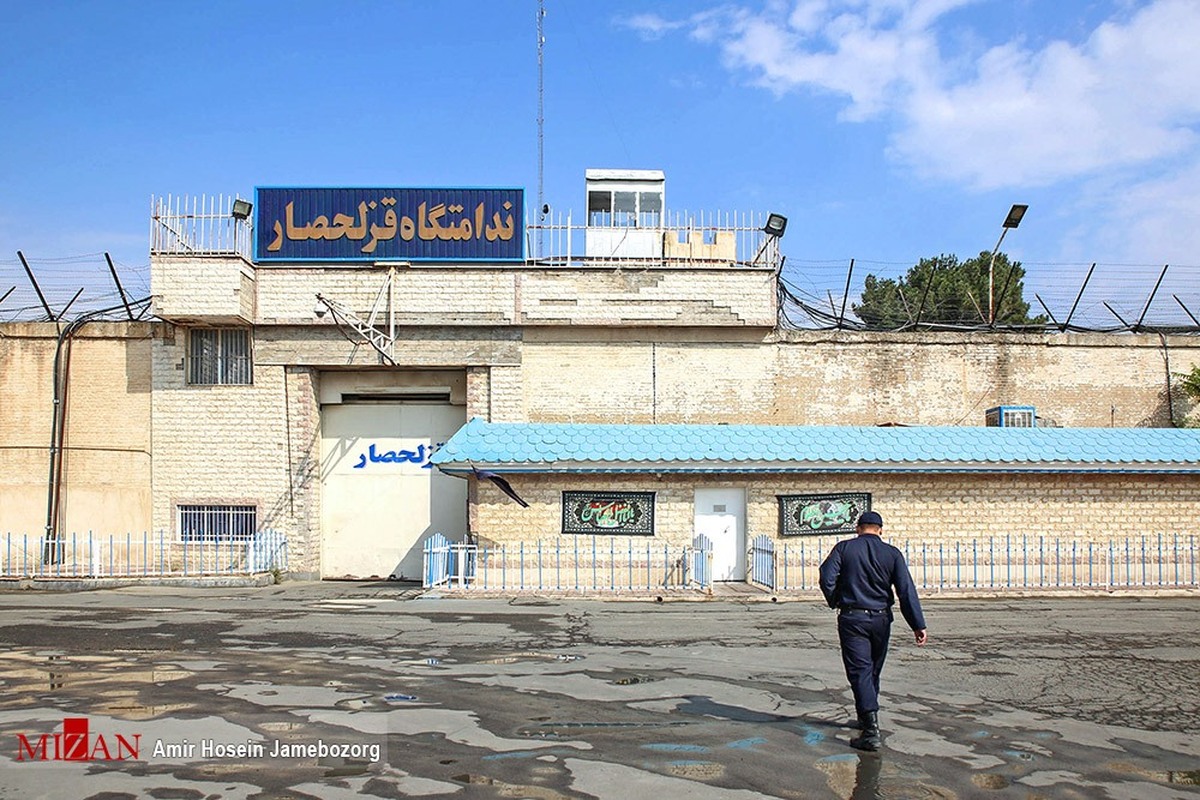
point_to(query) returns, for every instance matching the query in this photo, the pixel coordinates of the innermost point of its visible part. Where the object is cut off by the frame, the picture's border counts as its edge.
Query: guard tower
(625, 213)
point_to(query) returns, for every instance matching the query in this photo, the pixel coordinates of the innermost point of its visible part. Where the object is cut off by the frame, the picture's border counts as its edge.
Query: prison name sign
(608, 513)
(821, 514)
(307, 224)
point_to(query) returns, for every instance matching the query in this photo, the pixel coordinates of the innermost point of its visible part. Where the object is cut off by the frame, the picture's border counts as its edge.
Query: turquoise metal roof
(555, 447)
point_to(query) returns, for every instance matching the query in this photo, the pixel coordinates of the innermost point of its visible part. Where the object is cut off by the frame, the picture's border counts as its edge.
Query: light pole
(1015, 214)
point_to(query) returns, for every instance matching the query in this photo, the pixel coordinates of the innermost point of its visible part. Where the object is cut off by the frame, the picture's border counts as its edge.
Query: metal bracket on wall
(384, 343)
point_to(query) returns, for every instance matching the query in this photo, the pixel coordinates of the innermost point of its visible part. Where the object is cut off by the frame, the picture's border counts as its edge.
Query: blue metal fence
(762, 562)
(1003, 563)
(996, 564)
(143, 555)
(436, 561)
(591, 564)
(446, 562)
(702, 560)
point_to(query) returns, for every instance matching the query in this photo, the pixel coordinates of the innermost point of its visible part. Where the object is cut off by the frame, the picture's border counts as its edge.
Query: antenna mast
(541, 122)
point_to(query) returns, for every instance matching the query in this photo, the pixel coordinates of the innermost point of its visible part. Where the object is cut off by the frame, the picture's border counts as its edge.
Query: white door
(381, 498)
(721, 516)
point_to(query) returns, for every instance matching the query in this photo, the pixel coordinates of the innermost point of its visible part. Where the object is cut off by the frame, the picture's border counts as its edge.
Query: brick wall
(213, 289)
(934, 508)
(224, 445)
(106, 464)
(426, 295)
(689, 376)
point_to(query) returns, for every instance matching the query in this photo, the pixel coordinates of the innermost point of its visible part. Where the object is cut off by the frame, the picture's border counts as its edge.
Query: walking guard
(857, 579)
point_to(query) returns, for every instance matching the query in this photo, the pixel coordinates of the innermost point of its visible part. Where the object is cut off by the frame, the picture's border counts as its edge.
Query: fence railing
(600, 565)
(1001, 563)
(143, 555)
(579, 564)
(675, 237)
(702, 561)
(198, 225)
(204, 225)
(762, 562)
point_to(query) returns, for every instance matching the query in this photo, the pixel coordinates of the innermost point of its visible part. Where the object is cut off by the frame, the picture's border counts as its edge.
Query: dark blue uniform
(857, 579)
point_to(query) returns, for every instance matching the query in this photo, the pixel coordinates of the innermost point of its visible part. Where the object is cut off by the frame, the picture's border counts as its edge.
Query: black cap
(870, 518)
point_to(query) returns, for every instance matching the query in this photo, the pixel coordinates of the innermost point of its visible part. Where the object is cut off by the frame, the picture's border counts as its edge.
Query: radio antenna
(541, 124)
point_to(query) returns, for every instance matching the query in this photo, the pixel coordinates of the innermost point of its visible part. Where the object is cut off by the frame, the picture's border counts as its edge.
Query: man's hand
(921, 636)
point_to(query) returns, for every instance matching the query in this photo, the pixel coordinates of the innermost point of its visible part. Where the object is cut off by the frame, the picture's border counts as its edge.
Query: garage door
(381, 497)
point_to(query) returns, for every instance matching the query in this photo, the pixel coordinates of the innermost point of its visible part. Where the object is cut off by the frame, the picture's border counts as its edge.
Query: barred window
(219, 356)
(217, 523)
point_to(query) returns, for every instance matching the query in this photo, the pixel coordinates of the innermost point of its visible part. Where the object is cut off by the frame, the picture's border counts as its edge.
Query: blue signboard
(313, 224)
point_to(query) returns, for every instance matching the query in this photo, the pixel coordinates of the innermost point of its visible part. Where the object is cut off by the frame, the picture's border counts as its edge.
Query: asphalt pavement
(347, 690)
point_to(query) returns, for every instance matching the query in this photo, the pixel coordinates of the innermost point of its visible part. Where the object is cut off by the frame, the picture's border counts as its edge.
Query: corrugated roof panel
(549, 443)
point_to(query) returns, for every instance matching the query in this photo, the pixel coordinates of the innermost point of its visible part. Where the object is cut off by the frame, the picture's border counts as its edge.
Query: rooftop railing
(204, 225)
(199, 225)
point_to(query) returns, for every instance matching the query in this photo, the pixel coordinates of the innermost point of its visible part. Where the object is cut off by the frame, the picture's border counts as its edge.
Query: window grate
(199, 523)
(218, 356)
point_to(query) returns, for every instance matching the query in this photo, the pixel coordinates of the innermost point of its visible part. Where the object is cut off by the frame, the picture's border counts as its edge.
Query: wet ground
(355, 691)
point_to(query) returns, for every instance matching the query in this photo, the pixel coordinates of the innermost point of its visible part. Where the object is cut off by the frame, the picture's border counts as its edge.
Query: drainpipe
(58, 425)
(1170, 399)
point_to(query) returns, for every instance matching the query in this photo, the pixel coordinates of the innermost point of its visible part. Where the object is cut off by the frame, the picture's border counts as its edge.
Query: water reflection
(866, 778)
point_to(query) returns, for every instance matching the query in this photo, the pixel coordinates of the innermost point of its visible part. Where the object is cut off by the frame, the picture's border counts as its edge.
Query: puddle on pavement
(400, 698)
(674, 747)
(515, 658)
(875, 777)
(512, 789)
(633, 680)
(556, 730)
(125, 705)
(1183, 777)
(540, 755)
(707, 707)
(33, 672)
(990, 780)
(348, 769)
(696, 770)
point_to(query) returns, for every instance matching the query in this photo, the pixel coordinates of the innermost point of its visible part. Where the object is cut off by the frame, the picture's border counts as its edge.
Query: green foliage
(1189, 383)
(957, 294)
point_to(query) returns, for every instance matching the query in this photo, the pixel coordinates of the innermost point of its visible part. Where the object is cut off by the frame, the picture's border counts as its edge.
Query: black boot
(870, 738)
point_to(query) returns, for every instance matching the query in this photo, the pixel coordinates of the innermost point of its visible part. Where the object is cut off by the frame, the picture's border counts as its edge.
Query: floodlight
(1015, 214)
(241, 209)
(776, 224)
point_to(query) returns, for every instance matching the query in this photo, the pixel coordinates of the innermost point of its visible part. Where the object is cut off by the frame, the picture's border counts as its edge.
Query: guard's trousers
(864, 640)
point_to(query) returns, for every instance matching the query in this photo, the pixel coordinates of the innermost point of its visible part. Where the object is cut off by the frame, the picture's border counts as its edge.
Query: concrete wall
(260, 444)
(203, 289)
(224, 290)
(811, 378)
(107, 463)
(934, 508)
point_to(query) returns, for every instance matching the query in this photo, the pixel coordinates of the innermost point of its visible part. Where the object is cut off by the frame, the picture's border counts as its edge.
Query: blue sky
(886, 130)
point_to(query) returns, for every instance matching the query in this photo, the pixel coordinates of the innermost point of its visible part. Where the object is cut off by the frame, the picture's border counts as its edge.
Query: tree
(1190, 383)
(954, 292)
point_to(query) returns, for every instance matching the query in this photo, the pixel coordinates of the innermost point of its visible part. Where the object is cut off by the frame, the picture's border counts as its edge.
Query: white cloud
(1152, 218)
(1113, 115)
(1009, 115)
(650, 26)
(1130, 94)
